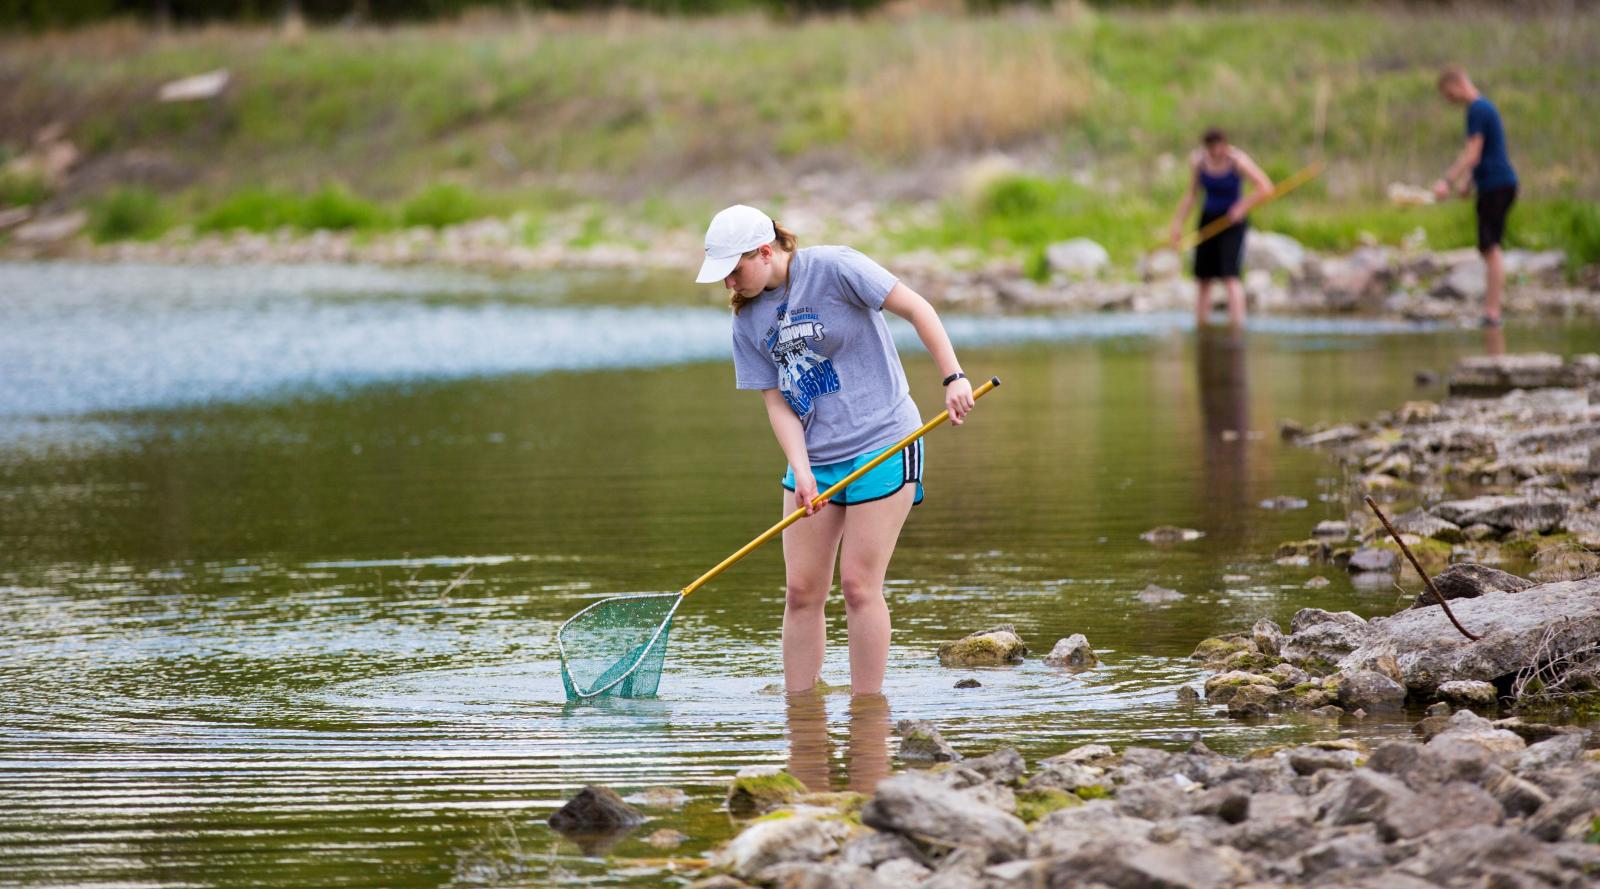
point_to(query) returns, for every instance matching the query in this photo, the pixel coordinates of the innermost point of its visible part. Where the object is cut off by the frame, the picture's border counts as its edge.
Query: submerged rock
(921, 742)
(994, 647)
(969, 683)
(758, 789)
(1369, 559)
(1171, 534)
(1157, 595)
(1072, 652)
(1284, 502)
(595, 809)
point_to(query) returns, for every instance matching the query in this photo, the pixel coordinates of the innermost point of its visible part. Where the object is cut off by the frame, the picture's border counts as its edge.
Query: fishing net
(616, 646)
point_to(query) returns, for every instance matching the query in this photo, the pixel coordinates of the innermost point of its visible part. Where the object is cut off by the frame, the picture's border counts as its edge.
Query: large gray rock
(1267, 636)
(804, 836)
(1468, 693)
(1141, 864)
(1470, 736)
(922, 807)
(1504, 512)
(1065, 831)
(1369, 690)
(1321, 635)
(1469, 581)
(1479, 376)
(1004, 765)
(1562, 617)
(1078, 258)
(1273, 252)
(1425, 524)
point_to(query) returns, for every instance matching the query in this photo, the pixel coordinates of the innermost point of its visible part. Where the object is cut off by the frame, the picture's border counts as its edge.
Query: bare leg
(870, 533)
(809, 549)
(1202, 303)
(1235, 302)
(1494, 273)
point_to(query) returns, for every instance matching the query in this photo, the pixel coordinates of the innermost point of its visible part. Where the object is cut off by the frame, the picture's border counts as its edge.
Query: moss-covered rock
(1093, 791)
(994, 647)
(1035, 804)
(759, 789)
(1250, 661)
(1310, 549)
(1218, 648)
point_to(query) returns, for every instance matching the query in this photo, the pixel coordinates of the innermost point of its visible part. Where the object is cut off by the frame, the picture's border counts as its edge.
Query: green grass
(128, 213)
(20, 190)
(644, 117)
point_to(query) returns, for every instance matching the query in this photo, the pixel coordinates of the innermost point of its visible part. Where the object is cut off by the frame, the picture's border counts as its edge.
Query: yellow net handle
(822, 498)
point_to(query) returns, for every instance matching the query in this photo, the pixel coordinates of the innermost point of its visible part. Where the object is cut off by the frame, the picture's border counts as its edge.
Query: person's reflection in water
(866, 750)
(1494, 340)
(808, 739)
(1224, 385)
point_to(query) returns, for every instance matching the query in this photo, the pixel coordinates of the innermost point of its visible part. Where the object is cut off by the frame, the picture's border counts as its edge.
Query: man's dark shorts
(1493, 206)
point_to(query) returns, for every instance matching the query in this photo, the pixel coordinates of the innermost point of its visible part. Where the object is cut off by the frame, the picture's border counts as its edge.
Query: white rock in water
(1073, 651)
(1273, 252)
(1079, 257)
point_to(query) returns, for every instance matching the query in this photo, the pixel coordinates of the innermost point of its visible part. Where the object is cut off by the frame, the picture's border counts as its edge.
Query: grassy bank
(657, 119)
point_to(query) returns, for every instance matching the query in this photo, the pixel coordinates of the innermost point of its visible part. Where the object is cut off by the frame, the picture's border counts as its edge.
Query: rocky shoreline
(1484, 795)
(1474, 804)
(1282, 276)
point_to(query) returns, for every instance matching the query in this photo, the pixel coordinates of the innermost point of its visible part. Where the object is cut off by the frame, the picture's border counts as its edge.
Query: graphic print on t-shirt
(803, 375)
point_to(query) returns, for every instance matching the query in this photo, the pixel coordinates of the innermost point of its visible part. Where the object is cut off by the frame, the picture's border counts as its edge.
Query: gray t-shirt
(822, 341)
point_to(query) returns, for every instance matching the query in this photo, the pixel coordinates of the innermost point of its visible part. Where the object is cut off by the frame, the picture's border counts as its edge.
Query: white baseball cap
(733, 233)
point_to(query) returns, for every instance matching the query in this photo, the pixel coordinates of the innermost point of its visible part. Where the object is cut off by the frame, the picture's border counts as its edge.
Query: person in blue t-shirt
(1492, 175)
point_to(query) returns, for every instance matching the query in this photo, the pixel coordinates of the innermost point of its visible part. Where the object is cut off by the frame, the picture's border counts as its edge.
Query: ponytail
(784, 240)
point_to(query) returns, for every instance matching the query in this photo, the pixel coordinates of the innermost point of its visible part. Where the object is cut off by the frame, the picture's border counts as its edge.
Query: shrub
(126, 213)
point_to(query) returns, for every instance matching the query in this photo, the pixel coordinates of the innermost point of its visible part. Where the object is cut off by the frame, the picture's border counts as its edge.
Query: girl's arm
(1258, 177)
(792, 439)
(910, 305)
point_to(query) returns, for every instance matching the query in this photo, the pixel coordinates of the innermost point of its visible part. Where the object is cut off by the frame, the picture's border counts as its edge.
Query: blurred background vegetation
(370, 115)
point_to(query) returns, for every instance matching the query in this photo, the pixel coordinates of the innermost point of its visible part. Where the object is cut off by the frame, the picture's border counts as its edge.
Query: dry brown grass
(953, 93)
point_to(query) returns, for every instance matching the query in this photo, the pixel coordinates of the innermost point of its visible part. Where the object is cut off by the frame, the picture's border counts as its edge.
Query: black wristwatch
(958, 375)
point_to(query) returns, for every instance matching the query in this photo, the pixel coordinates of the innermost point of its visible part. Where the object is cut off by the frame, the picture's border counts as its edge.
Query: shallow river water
(283, 553)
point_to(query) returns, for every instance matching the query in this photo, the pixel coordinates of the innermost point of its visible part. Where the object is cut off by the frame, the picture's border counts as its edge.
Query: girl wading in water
(1219, 171)
(809, 333)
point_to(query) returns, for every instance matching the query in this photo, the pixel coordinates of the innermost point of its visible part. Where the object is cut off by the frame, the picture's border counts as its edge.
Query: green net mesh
(616, 646)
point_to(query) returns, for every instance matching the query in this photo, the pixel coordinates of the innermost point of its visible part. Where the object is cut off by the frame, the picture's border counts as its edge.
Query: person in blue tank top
(1219, 171)
(1485, 156)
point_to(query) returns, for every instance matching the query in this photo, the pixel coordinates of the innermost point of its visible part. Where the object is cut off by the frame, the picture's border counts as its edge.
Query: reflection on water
(811, 752)
(1223, 380)
(240, 645)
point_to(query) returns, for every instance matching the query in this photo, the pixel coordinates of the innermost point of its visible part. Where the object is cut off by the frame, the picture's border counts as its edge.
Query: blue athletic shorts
(888, 477)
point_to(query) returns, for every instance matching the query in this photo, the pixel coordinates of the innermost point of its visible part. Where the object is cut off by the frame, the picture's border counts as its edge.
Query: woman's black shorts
(1222, 255)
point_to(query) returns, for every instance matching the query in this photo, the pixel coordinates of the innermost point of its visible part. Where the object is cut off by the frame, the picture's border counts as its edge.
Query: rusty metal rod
(1417, 565)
